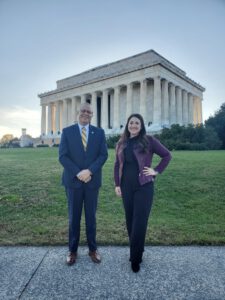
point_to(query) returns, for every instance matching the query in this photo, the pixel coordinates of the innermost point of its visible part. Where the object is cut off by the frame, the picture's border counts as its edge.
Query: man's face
(85, 114)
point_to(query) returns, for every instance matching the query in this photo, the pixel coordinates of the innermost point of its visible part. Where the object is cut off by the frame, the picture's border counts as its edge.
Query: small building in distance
(26, 140)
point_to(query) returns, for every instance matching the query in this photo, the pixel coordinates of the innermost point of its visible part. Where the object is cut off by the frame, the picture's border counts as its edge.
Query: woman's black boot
(135, 267)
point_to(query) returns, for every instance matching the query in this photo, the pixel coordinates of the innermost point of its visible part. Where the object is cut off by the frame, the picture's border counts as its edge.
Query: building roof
(120, 67)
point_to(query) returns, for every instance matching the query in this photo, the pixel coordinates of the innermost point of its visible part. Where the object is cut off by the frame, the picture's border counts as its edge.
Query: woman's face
(134, 126)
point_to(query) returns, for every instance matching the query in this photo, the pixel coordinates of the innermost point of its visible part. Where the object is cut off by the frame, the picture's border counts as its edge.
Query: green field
(189, 202)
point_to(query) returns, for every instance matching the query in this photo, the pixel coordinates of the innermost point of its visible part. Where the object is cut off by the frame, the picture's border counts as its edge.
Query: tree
(6, 138)
(217, 122)
(192, 137)
(14, 143)
(211, 139)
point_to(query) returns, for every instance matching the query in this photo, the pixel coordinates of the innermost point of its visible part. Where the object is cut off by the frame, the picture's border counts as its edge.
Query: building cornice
(111, 70)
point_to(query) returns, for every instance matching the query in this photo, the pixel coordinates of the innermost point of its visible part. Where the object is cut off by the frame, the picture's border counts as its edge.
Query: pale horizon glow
(17, 118)
(45, 41)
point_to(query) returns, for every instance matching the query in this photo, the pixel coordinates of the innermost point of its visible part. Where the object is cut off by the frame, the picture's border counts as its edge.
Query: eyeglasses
(83, 111)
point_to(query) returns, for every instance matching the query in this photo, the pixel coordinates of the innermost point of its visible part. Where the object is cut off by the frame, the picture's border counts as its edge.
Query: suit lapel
(91, 138)
(78, 137)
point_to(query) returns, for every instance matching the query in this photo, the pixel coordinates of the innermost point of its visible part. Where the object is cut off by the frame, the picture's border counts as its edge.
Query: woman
(134, 179)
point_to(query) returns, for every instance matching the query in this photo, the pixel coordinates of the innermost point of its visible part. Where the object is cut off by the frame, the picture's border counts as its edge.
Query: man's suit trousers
(76, 199)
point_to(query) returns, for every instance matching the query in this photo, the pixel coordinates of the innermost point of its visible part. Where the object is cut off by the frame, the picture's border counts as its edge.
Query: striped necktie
(84, 138)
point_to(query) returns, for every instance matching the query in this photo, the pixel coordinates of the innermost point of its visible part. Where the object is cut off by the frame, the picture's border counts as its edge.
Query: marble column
(199, 110)
(157, 102)
(143, 98)
(172, 105)
(49, 118)
(185, 108)
(94, 108)
(43, 119)
(74, 110)
(165, 103)
(116, 121)
(104, 109)
(60, 115)
(179, 106)
(69, 112)
(190, 108)
(53, 118)
(64, 114)
(129, 100)
(82, 98)
(57, 117)
(195, 114)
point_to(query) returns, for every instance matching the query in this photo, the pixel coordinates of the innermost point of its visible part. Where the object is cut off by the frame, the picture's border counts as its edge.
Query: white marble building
(145, 83)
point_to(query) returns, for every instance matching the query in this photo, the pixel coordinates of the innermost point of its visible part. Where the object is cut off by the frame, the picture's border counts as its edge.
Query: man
(82, 153)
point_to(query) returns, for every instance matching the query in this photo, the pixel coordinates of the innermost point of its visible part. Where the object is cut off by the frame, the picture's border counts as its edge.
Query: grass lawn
(189, 202)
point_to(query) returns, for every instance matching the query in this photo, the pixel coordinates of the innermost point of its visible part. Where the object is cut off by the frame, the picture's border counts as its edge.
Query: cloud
(13, 119)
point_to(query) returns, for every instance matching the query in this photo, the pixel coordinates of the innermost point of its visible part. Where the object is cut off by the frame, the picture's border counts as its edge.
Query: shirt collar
(82, 126)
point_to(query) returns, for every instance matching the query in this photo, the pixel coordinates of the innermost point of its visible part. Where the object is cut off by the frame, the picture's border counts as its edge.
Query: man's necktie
(84, 138)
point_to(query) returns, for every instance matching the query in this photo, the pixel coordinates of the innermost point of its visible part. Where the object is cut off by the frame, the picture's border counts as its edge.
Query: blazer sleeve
(116, 169)
(102, 157)
(64, 158)
(164, 153)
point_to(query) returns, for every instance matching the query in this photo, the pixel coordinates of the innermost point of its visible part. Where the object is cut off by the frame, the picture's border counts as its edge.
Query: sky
(42, 41)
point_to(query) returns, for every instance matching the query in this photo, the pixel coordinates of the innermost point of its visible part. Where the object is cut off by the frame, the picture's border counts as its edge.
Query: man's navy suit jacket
(74, 159)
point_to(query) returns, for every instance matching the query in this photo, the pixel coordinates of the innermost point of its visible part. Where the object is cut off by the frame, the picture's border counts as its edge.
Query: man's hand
(88, 179)
(84, 175)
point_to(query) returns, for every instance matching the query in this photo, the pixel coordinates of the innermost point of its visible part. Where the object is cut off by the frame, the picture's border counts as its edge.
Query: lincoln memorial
(145, 83)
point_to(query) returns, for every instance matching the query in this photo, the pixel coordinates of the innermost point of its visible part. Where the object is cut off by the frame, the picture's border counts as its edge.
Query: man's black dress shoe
(71, 258)
(95, 256)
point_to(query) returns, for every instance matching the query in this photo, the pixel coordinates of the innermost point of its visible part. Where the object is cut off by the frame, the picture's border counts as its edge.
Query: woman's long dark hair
(142, 140)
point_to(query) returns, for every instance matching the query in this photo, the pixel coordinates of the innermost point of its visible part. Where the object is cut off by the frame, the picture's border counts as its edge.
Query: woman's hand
(149, 171)
(118, 191)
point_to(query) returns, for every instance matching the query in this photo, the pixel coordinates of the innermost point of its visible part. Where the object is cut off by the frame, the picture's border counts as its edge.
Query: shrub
(42, 145)
(189, 138)
(112, 141)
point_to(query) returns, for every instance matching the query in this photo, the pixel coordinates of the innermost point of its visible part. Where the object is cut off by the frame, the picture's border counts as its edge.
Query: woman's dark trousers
(137, 201)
